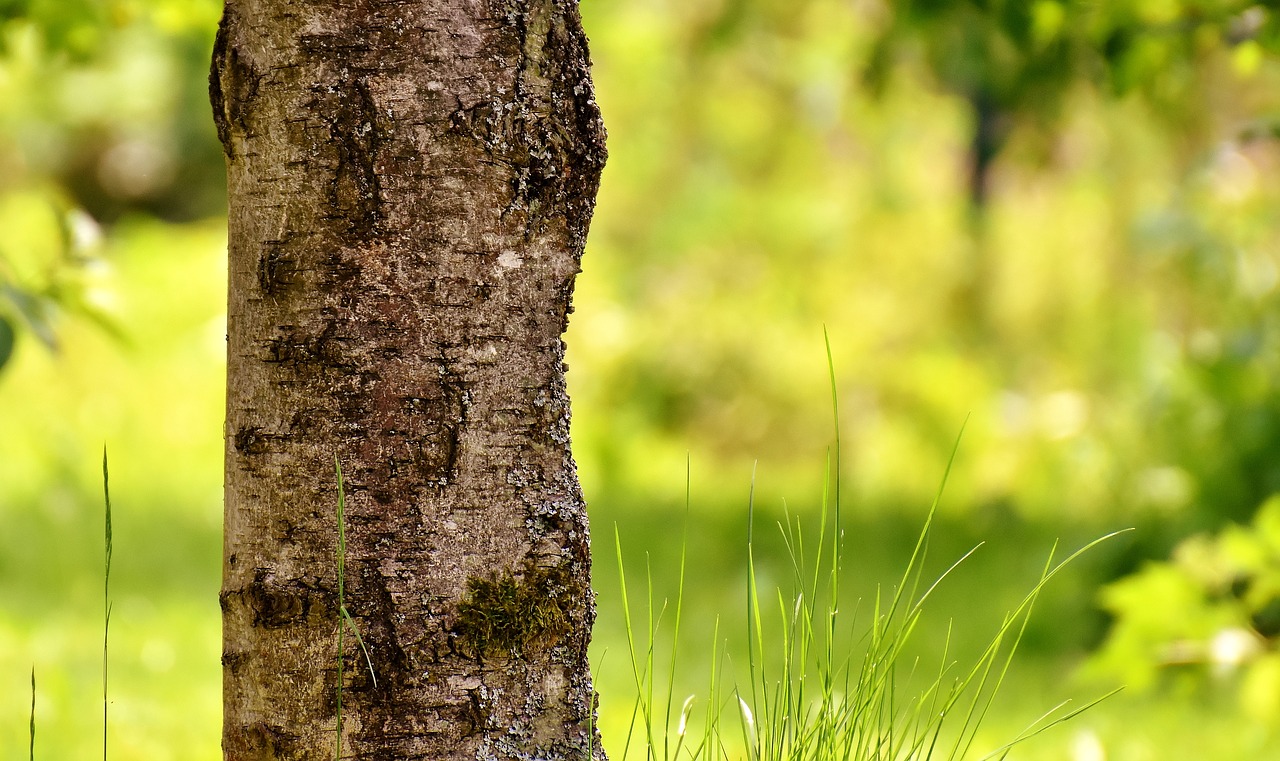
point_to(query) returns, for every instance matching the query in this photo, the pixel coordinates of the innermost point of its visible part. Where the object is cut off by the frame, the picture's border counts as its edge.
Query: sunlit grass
(823, 683)
(808, 694)
(166, 703)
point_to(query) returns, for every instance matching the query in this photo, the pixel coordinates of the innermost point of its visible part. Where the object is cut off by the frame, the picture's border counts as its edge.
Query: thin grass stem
(838, 538)
(32, 744)
(106, 597)
(631, 643)
(341, 562)
(675, 634)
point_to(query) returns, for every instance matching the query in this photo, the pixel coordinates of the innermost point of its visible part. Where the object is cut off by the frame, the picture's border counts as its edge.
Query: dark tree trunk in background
(991, 127)
(411, 183)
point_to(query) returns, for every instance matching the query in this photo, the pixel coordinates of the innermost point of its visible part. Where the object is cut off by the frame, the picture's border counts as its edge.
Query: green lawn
(164, 701)
(156, 401)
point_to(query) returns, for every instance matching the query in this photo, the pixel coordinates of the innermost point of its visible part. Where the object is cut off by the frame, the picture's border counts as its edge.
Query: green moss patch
(511, 614)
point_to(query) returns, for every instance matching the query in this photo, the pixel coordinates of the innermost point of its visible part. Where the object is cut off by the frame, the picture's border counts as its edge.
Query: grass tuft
(822, 684)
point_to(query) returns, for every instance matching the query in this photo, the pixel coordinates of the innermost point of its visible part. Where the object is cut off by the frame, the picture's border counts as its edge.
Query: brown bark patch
(233, 86)
(261, 742)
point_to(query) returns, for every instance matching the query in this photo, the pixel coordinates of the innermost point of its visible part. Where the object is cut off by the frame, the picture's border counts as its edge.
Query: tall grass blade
(915, 564)
(355, 632)
(631, 644)
(755, 637)
(591, 712)
(344, 616)
(342, 606)
(667, 754)
(106, 598)
(1049, 722)
(32, 744)
(650, 627)
(835, 425)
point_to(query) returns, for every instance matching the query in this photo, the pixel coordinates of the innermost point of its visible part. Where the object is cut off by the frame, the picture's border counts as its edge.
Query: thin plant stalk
(32, 744)
(648, 664)
(344, 616)
(106, 603)
(838, 537)
(667, 755)
(755, 637)
(656, 714)
(631, 642)
(341, 563)
(642, 666)
(591, 713)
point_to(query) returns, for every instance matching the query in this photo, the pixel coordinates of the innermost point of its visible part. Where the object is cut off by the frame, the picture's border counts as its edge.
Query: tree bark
(411, 183)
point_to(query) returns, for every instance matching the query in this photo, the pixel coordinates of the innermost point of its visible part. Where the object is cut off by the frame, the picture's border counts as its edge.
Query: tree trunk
(411, 183)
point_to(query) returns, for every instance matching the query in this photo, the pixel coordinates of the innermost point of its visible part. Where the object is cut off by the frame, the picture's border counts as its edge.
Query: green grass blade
(355, 631)
(639, 709)
(32, 744)
(652, 628)
(106, 597)
(835, 424)
(911, 576)
(591, 712)
(1036, 727)
(756, 715)
(341, 561)
(919, 603)
(667, 754)
(345, 620)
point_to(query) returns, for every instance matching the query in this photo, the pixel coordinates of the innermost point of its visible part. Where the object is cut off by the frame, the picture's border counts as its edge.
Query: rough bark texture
(411, 183)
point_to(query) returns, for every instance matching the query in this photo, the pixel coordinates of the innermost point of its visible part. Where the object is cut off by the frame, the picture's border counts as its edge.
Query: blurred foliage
(111, 288)
(1116, 359)
(1212, 612)
(1055, 218)
(1019, 62)
(101, 116)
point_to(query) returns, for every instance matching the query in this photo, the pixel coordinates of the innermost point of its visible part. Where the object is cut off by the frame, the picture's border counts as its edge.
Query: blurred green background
(1056, 219)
